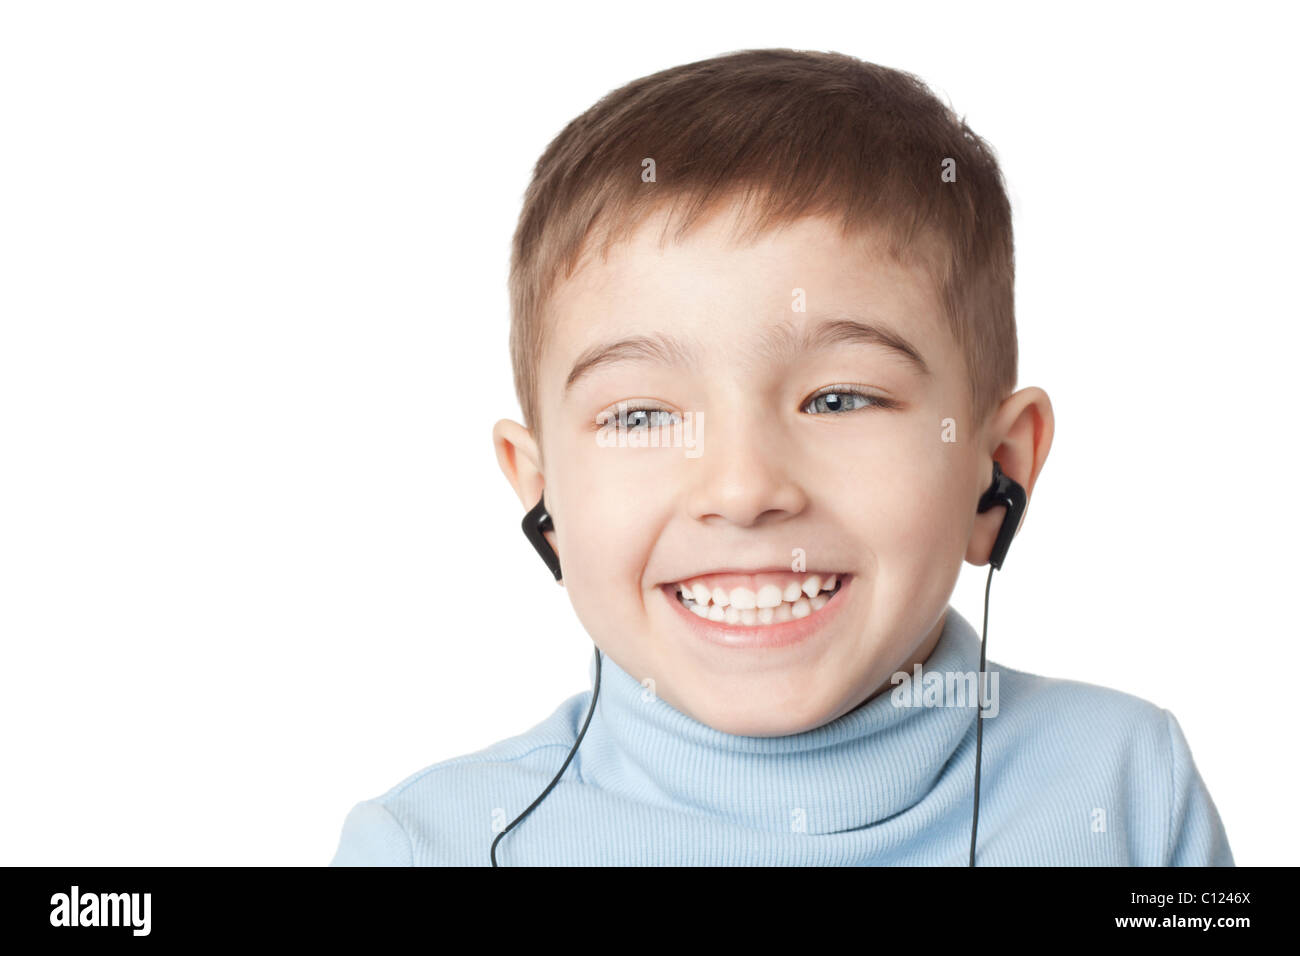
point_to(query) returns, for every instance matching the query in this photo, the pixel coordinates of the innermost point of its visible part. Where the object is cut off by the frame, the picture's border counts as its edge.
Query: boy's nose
(744, 473)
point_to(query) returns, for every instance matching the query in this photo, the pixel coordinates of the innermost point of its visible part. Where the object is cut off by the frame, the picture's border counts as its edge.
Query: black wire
(591, 710)
(979, 718)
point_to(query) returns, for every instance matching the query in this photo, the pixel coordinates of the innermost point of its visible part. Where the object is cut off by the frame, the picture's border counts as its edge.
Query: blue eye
(838, 399)
(637, 418)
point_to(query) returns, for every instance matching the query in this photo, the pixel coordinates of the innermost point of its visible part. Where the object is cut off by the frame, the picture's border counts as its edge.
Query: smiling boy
(809, 258)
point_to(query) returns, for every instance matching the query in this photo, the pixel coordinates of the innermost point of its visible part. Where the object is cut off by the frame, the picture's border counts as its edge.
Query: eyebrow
(782, 342)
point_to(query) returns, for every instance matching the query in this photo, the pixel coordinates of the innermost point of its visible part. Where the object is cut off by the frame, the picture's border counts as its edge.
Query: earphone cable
(590, 710)
(979, 718)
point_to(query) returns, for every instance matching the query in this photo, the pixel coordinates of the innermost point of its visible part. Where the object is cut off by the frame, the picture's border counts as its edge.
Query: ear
(1019, 436)
(521, 463)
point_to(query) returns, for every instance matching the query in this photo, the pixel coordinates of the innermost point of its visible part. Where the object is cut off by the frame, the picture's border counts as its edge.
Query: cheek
(606, 543)
(923, 514)
(917, 548)
(602, 577)
(922, 535)
(611, 522)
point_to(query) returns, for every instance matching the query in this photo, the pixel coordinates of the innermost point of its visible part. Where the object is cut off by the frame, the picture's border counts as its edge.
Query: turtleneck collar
(860, 768)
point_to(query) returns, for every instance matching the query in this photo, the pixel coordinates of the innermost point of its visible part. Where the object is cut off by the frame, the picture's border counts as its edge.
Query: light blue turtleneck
(1071, 774)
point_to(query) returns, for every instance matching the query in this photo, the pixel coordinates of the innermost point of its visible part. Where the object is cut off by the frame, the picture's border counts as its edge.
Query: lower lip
(764, 635)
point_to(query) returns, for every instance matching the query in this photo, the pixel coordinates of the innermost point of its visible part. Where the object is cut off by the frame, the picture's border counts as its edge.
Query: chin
(769, 720)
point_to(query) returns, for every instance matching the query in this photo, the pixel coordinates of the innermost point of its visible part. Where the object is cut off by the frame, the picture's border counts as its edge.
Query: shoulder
(1127, 754)
(1082, 713)
(1074, 724)
(448, 812)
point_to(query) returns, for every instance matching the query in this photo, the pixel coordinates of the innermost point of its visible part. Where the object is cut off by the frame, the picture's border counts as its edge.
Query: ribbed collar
(863, 767)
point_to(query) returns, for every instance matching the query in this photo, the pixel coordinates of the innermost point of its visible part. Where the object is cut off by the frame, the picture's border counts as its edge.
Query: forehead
(712, 291)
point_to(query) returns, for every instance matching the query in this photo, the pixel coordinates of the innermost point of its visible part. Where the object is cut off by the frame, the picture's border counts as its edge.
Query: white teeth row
(770, 605)
(768, 596)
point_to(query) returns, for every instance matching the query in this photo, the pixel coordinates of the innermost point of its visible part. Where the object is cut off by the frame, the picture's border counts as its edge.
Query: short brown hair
(796, 133)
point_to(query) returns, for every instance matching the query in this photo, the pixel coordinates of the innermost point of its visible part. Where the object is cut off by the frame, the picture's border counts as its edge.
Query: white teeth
(771, 605)
(743, 599)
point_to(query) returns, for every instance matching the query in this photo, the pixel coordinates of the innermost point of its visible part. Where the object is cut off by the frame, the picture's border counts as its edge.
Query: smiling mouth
(752, 616)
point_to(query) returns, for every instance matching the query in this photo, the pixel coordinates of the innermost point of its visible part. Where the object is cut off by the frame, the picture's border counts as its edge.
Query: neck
(868, 764)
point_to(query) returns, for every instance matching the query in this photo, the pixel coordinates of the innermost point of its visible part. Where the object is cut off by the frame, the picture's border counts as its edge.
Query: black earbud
(535, 522)
(1003, 491)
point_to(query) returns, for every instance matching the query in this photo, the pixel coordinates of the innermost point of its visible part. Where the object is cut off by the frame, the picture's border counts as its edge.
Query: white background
(257, 561)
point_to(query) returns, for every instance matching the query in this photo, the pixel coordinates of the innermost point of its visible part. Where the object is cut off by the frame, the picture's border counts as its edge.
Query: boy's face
(874, 494)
